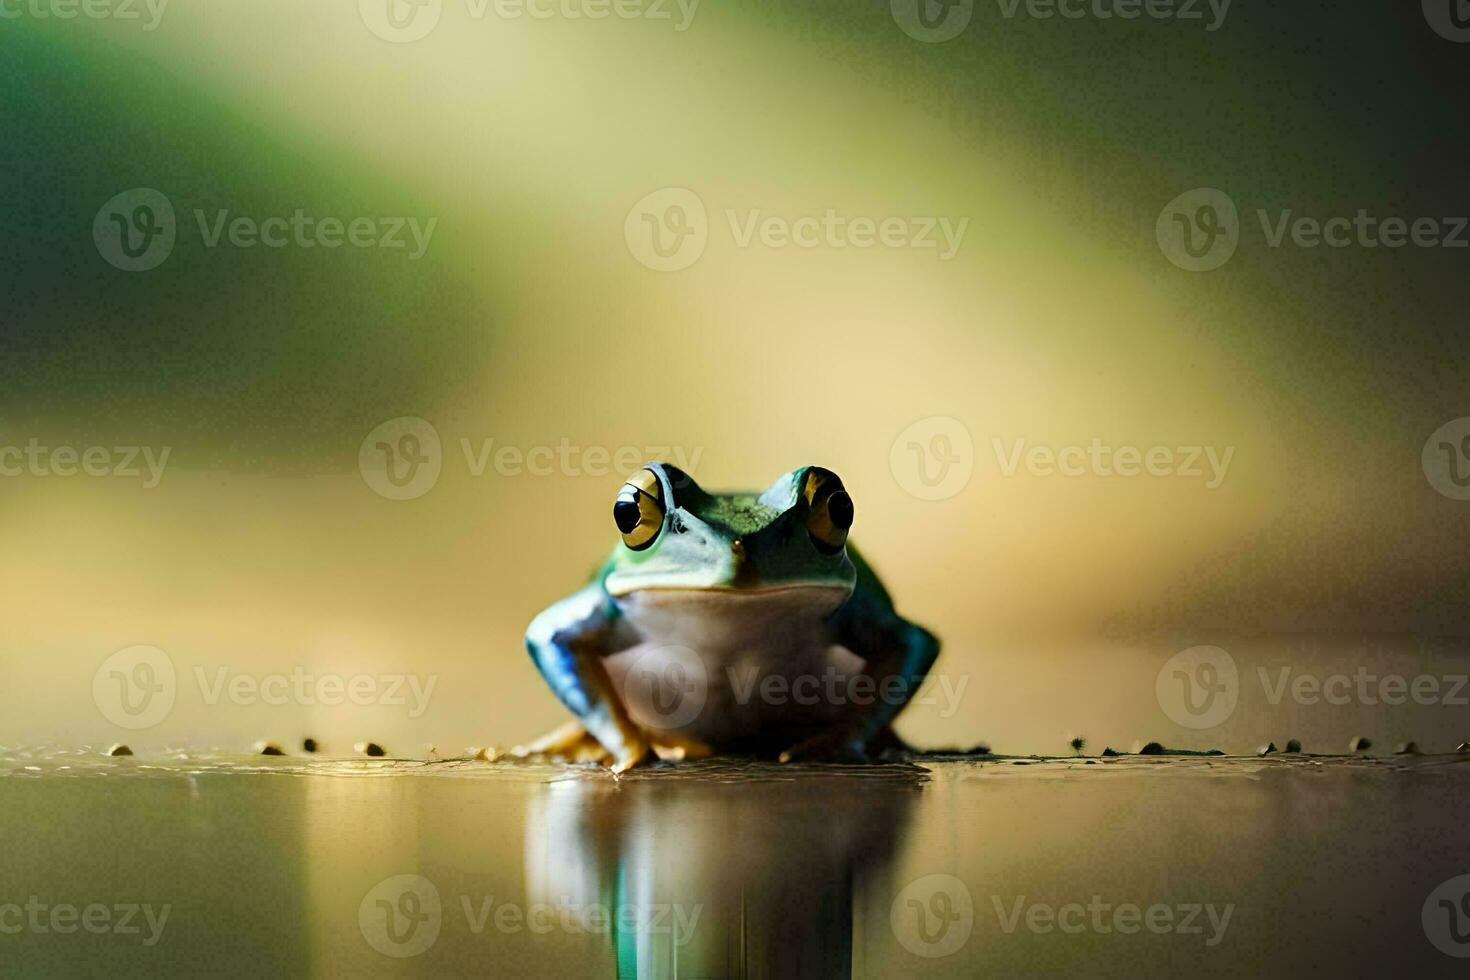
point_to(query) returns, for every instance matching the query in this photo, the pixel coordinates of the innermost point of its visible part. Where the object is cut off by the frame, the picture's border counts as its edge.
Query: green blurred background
(530, 321)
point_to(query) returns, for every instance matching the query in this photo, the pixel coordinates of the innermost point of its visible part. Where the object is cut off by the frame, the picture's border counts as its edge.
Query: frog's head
(675, 536)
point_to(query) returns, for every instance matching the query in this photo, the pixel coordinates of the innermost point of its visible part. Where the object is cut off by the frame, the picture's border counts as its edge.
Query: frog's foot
(677, 748)
(570, 742)
(833, 746)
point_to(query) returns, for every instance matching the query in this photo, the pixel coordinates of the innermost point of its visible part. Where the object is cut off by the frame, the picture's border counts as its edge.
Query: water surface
(1127, 867)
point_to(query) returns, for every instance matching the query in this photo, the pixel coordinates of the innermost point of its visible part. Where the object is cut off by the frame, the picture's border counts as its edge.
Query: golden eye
(829, 513)
(639, 510)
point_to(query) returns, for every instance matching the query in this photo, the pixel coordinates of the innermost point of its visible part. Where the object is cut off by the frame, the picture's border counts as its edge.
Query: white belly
(728, 667)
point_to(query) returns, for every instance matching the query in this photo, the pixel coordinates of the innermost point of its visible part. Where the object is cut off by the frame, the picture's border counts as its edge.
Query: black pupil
(839, 509)
(627, 515)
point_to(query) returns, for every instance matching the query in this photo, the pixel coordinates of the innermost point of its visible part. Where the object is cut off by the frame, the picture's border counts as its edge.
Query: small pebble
(1268, 749)
(1151, 748)
(309, 744)
(1294, 745)
(1408, 748)
(119, 749)
(488, 754)
(267, 748)
(370, 749)
(1463, 747)
(1109, 752)
(1360, 744)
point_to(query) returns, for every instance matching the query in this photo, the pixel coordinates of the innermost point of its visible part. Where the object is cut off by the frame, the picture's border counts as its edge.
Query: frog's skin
(718, 598)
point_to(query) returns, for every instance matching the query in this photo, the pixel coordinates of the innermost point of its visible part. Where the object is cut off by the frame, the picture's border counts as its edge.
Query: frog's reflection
(709, 877)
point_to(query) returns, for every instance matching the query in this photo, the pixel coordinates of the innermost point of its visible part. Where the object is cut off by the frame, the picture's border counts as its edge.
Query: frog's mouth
(792, 596)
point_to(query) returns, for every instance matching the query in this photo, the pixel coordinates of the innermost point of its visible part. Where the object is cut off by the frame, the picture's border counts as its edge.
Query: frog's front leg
(896, 654)
(568, 642)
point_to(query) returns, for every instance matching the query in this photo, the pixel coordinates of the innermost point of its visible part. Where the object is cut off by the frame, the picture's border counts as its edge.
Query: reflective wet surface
(1139, 866)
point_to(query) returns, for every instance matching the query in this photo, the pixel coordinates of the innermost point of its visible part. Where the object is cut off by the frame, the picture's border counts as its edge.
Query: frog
(741, 624)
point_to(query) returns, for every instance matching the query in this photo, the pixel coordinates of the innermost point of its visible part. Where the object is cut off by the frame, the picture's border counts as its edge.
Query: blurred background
(583, 271)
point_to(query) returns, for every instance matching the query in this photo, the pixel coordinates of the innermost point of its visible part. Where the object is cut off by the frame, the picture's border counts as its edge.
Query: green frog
(739, 623)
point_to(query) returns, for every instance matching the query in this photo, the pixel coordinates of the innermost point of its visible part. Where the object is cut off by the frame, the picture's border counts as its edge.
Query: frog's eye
(639, 510)
(829, 511)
